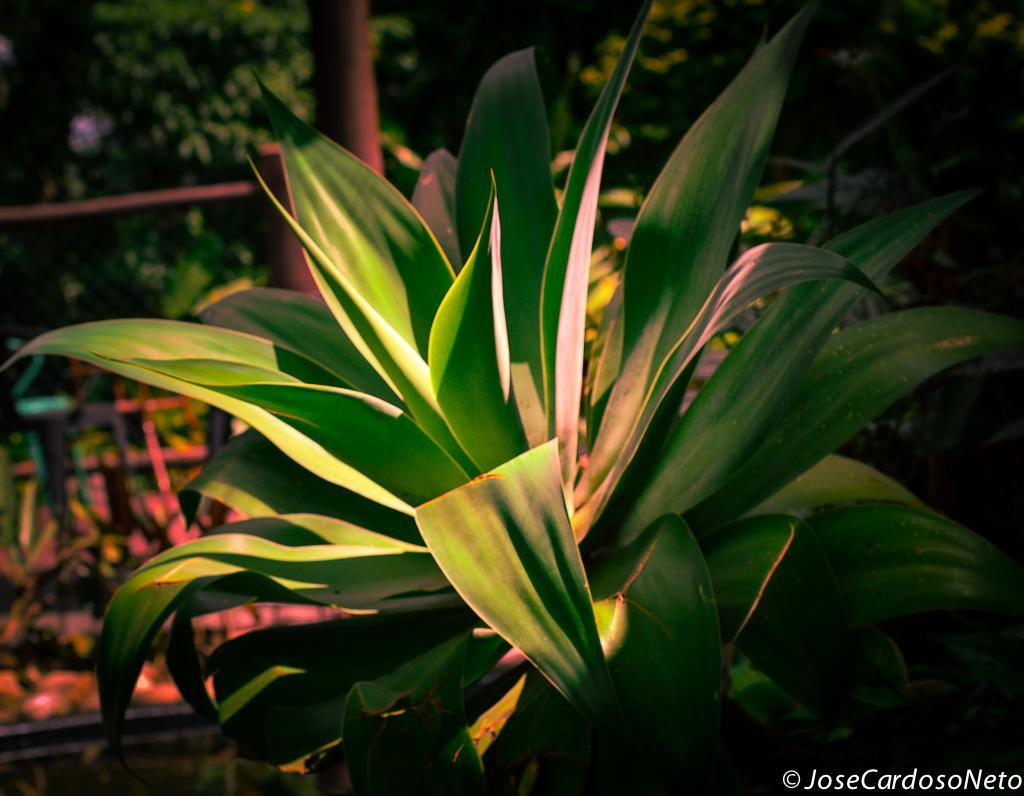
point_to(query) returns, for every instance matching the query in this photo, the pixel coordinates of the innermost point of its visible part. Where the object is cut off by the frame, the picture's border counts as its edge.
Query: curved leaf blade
(761, 270)
(138, 610)
(469, 355)
(685, 231)
(302, 324)
(860, 373)
(406, 732)
(149, 338)
(367, 229)
(507, 136)
(390, 352)
(505, 543)
(833, 481)
(760, 376)
(369, 573)
(742, 560)
(802, 642)
(296, 720)
(893, 561)
(383, 454)
(545, 744)
(303, 529)
(434, 199)
(113, 345)
(663, 648)
(253, 477)
(566, 270)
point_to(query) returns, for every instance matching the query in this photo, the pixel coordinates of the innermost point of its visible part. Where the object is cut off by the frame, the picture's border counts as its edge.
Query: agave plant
(536, 560)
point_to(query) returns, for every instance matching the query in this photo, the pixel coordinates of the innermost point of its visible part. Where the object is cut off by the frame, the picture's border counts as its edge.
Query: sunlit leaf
(365, 435)
(491, 722)
(369, 232)
(434, 198)
(150, 351)
(382, 280)
(566, 271)
(507, 135)
(505, 544)
(469, 354)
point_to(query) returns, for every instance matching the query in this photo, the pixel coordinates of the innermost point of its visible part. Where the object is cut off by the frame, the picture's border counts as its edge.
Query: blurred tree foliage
(100, 98)
(119, 95)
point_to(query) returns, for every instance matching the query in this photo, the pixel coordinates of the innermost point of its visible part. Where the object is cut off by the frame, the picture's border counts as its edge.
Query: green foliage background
(176, 82)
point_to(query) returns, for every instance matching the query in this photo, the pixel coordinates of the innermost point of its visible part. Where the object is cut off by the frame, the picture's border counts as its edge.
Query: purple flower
(88, 129)
(7, 56)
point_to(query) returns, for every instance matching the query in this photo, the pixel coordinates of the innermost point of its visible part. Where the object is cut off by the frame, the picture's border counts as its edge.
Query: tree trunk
(346, 93)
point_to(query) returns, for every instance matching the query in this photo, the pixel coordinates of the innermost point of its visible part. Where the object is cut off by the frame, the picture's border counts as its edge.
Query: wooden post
(284, 256)
(346, 92)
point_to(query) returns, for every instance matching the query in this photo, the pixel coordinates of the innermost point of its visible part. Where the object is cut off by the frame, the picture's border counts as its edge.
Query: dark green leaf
(296, 718)
(759, 271)
(684, 234)
(544, 748)
(660, 635)
(434, 198)
(759, 378)
(859, 373)
(406, 732)
(892, 561)
(138, 610)
(796, 629)
(833, 481)
(507, 136)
